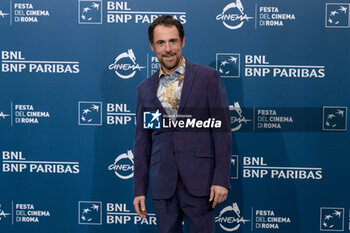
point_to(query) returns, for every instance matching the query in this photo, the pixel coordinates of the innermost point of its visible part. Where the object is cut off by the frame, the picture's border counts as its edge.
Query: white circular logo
(123, 165)
(125, 65)
(230, 219)
(233, 16)
(236, 117)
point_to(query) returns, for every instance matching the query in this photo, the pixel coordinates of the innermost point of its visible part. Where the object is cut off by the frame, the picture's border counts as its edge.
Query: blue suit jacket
(201, 158)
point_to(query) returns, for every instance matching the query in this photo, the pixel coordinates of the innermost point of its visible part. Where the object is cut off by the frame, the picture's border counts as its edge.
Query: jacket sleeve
(142, 149)
(219, 109)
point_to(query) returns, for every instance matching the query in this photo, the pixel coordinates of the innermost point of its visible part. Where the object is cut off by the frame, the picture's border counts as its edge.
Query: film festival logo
(151, 120)
(334, 118)
(23, 213)
(237, 119)
(90, 12)
(90, 113)
(90, 212)
(234, 167)
(123, 165)
(331, 219)
(337, 15)
(23, 12)
(125, 65)
(22, 114)
(228, 65)
(233, 16)
(3, 214)
(230, 218)
(3, 116)
(3, 15)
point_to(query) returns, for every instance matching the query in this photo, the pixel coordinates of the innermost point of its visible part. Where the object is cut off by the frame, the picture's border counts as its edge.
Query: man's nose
(167, 47)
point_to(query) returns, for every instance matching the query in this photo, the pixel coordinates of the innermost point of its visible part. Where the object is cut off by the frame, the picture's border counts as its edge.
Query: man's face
(168, 47)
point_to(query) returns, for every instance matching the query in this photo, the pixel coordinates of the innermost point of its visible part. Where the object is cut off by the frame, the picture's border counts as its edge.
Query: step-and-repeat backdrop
(69, 72)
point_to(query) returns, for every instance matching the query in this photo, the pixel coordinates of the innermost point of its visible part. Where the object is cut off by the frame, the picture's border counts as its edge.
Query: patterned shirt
(170, 88)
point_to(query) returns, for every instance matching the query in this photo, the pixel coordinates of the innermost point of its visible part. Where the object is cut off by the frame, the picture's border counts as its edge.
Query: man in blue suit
(188, 170)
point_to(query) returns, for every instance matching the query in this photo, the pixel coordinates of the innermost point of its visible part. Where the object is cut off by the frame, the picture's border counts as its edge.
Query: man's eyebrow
(171, 39)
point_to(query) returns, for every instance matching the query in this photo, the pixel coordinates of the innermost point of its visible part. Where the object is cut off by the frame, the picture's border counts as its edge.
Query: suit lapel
(187, 86)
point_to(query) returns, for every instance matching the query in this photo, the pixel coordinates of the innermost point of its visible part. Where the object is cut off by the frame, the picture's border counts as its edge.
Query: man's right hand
(140, 207)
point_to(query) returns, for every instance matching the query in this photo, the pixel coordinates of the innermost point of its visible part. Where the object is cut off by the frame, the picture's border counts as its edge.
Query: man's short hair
(165, 20)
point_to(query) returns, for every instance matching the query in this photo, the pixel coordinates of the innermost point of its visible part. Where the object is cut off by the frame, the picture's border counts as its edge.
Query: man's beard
(170, 65)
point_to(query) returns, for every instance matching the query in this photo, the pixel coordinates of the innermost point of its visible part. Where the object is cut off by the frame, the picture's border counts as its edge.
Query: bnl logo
(90, 12)
(337, 15)
(228, 65)
(331, 219)
(90, 212)
(334, 118)
(90, 113)
(151, 120)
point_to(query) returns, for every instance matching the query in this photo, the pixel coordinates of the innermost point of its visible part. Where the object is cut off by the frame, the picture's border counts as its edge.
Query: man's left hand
(218, 194)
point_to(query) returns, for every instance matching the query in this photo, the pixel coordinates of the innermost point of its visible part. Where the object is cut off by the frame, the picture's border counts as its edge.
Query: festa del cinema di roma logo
(3, 14)
(123, 165)
(230, 218)
(125, 65)
(233, 16)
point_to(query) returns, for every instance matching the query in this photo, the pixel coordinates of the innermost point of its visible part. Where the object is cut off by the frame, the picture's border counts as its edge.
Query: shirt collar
(180, 69)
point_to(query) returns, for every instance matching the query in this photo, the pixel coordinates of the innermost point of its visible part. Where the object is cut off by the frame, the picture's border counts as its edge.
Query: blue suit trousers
(197, 212)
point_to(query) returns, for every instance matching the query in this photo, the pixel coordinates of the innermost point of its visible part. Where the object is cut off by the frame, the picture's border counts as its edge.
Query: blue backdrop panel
(68, 77)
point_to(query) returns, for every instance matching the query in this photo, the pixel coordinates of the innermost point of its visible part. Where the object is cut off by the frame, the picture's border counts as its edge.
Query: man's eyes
(174, 41)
